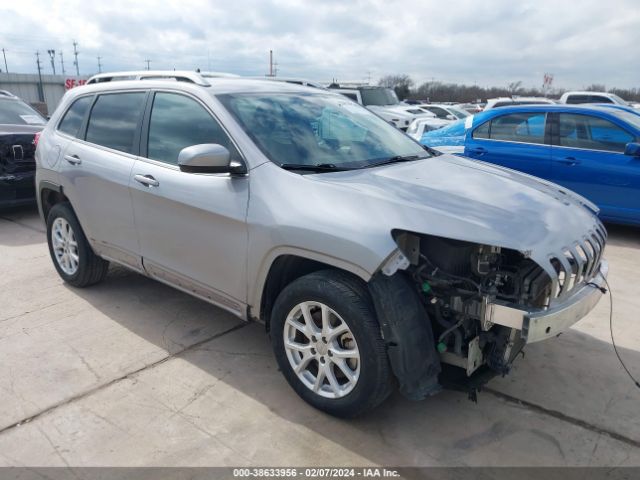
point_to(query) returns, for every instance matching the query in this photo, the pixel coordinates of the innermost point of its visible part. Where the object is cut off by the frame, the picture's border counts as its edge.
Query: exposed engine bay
(457, 280)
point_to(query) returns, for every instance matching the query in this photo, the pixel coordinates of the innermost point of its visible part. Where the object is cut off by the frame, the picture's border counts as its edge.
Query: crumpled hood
(453, 197)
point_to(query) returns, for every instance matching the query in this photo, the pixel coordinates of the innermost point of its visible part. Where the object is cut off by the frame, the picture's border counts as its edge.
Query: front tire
(327, 342)
(72, 255)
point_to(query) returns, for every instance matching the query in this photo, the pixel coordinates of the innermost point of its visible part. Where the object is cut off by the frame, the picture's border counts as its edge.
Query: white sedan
(421, 125)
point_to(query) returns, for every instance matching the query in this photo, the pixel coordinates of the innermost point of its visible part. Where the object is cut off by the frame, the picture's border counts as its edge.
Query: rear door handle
(571, 161)
(73, 159)
(478, 151)
(146, 180)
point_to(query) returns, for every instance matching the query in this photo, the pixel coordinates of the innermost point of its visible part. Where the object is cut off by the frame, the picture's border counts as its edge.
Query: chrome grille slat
(591, 255)
(566, 284)
(598, 247)
(578, 263)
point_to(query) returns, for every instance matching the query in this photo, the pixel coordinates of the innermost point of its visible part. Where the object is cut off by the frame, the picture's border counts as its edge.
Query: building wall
(25, 86)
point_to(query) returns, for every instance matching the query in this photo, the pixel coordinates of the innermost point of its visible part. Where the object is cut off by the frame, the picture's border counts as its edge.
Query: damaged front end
(456, 313)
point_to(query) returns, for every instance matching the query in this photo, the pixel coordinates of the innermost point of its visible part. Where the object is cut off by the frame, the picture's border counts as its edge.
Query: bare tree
(514, 87)
(596, 87)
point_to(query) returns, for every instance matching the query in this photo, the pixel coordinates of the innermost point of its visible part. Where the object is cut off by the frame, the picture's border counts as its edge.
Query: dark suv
(19, 126)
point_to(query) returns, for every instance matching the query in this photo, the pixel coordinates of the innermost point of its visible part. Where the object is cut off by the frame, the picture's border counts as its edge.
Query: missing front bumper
(537, 325)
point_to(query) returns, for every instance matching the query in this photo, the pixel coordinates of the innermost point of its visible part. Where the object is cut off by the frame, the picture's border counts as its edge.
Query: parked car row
(590, 149)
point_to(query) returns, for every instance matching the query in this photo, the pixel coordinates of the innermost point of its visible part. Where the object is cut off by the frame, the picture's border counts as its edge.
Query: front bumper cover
(537, 325)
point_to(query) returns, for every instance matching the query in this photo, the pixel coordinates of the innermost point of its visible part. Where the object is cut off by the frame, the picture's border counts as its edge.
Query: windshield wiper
(434, 153)
(398, 159)
(318, 167)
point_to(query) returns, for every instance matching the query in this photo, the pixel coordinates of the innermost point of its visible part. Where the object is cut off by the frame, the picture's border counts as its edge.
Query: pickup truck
(384, 102)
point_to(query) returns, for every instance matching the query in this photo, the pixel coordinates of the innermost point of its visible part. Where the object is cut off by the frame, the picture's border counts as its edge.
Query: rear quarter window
(72, 120)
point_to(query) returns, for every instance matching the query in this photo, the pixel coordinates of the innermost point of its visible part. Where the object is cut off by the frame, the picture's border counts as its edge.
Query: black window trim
(146, 120)
(82, 126)
(82, 134)
(555, 134)
(547, 132)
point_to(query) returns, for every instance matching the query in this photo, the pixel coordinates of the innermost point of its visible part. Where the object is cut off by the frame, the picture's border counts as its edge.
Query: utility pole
(99, 65)
(272, 72)
(62, 63)
(52, 57)
(75, 54)
(40, 90)
(6, 69)
(148, 61)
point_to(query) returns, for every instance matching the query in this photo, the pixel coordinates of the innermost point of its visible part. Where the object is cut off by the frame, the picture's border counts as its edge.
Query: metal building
(26, 86)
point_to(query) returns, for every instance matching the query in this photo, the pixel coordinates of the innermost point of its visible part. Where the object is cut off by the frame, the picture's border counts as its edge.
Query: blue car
(592, 150)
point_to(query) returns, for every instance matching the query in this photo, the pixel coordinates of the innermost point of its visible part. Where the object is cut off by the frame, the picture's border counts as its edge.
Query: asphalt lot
(133, 373)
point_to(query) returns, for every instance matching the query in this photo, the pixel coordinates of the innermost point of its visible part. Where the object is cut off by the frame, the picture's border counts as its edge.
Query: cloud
(493, 42)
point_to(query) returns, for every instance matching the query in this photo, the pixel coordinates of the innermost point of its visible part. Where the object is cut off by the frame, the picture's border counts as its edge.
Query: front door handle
(73, 159)
(570, 161)
(146, 180)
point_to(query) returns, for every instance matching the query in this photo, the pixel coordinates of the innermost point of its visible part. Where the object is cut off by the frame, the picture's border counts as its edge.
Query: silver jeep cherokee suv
(373, 261)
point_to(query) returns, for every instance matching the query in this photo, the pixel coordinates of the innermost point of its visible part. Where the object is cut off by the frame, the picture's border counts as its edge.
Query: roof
(199, 78)
(551, 108)
(520, 99)
(584, 92)
(214, 86)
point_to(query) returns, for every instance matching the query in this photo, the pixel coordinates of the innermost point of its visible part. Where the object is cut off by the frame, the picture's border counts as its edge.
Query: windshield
(458, 112)
(628, 117)
(378, 96)
(618, 99)
(14, 112)
(318, 129)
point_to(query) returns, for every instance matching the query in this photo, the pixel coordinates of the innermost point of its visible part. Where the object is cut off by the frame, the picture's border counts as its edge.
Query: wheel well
(49, 198)
(284, 270)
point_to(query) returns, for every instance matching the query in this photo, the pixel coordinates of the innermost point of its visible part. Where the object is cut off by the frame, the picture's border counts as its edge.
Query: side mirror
(451, 117)
(632, 149)
(207, 158)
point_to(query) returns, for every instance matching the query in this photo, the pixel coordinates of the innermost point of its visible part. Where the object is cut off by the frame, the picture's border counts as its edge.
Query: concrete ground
(133, 373)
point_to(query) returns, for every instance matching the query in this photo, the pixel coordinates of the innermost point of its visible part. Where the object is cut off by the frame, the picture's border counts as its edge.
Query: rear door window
(72, 120)
(515, 127)
(591, 133)
(114, 120)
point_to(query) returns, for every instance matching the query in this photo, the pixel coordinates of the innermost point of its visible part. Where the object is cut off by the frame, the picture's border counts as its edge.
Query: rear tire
(72, 255)
(327, 342)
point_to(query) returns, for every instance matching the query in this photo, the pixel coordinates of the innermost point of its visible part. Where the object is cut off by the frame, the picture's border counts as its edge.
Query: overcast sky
(488, 42)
